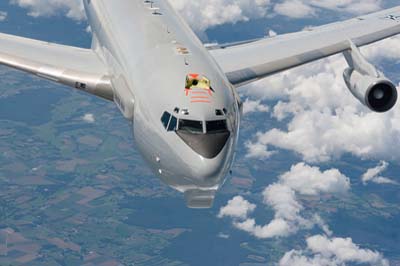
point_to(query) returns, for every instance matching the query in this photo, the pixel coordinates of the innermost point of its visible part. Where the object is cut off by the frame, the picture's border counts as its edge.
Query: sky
(323, 123)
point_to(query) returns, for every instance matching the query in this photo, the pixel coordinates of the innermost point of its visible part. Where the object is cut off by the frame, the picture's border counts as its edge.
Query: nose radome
(208, 172)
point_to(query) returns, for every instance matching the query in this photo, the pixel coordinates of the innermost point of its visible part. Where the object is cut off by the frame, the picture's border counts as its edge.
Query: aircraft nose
(209, 175)
(207, 145)
(208, 172)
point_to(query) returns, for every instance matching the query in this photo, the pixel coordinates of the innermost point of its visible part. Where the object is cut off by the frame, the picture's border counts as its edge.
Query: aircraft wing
(249, 62)
(71, 66)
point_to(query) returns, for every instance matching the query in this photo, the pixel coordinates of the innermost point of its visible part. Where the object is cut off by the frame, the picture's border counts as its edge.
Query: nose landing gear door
(199, 199)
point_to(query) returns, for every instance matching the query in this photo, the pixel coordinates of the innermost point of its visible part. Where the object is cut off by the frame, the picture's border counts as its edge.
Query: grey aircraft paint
(154, 60)
(181, 98)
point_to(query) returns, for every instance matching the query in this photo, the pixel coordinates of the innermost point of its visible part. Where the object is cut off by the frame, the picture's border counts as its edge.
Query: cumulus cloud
(203, 14)
(258, 150)
(294, 9)
(326, 121)
(71, 8)
(308, 180)
(324, 251)
(3, 15)
(350, 6)
(250, 106)
(307, 8)
(223, 236)
(200, 14)
(89, 118)
(374, 175)
(208, 13)
(237, 207)
(276, 228)
(282, 197)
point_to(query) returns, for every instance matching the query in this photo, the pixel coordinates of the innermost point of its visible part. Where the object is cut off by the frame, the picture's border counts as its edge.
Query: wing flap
(75, 67)
(249, 62)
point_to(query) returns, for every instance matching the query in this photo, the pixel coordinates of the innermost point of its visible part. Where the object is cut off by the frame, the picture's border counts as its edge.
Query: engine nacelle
(377, 93)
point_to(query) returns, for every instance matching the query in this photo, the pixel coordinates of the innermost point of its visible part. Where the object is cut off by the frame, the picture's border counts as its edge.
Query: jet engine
(366, 83)
(377, 93)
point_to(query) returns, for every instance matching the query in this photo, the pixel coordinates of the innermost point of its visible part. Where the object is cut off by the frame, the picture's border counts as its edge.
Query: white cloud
(272, 33)
(282, 198)
(294, 9)
(203, 14)
(374, 175)
(237, 207)
(89, 118)
(223, 236)
(350, 6)
(324, 251)
(71, 8)
(307, 8)
(3, 15)
(250, 106)
(276, 228)
(258, 150)
(326, 121)
(308, 180)
(200, 14)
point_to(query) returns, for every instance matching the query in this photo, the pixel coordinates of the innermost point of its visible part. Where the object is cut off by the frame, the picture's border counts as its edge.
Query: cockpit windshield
(218, 126)
(191, 126)
(207, 144)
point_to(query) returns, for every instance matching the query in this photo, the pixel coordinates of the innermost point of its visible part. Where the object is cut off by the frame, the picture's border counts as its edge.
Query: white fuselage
(150, 52)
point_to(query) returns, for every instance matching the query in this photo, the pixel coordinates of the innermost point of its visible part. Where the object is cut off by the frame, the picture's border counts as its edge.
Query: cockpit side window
(191, 126)
(219, 112)
(169, 121)
(172, 124)
(217, 126)
(165, 119)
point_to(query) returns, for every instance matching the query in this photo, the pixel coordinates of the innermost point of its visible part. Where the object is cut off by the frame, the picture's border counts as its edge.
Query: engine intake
(377, 93)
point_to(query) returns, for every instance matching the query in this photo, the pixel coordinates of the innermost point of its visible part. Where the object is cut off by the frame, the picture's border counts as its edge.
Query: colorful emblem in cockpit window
(198, 88)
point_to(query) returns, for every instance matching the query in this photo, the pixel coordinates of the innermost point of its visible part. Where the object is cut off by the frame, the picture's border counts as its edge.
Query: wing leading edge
(75, 67)
(256, 60)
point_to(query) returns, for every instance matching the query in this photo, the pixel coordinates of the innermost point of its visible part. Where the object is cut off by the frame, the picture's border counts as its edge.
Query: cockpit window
(169, 121)
(172, 124)
(165, 119)
(219, 112)
(191, 126)
(217, 126)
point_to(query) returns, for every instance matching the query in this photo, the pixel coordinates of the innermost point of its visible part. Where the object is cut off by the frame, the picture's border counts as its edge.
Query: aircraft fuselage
(171, 89)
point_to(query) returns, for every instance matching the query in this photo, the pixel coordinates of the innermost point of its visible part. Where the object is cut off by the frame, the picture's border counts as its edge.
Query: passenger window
(172, 124)
(165, 119)
(191, 126)
(218, 126)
